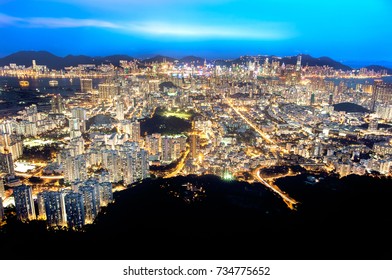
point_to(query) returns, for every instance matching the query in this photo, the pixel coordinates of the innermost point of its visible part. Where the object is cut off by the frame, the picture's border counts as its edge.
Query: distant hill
(379, 68)
(350, 108)
(158, 59)
(321, 61)
(56, 62)
(306, 60)
(193, 59)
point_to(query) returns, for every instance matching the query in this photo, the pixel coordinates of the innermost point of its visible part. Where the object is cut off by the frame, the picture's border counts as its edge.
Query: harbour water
(14, 98)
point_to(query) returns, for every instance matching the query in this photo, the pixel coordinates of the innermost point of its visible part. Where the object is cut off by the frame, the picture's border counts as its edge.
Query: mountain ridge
(53, 61)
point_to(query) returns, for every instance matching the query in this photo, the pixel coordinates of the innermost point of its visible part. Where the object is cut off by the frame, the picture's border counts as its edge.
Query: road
(265, 136)
(179, 166)
(290, 202)
(27, 175)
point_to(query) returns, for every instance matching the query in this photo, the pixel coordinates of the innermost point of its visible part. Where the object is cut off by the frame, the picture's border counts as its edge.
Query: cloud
(68, 23)
(40, 22)
(128, 3)
(271, 31)
(8, 20)
(257, 30)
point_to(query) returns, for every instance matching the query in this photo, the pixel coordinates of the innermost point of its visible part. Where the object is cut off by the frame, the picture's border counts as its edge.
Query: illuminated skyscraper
(75, 210)
(57, 104)
(74, 128)
(135, 131)
(54, 208)
(86, 85)
(153, 143)
(330, 99)
(312, 99)
(1, 210)
(166, 142)
(111, 160)
(80, 114)
(382, 94)
(75, 168)
(41, 205)
(135, 163)
(108, 91)
(119, 103)
(105, 193)
(90, 199)
(2, 191)
(24, 203)
(298, 65)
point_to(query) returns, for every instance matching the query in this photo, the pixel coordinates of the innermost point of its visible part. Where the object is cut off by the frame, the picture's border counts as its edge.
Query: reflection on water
(13, 98)
(351, 82)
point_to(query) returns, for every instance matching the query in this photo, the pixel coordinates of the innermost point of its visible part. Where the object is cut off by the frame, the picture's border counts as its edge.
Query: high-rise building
(57, 104)
(298, 65)
(41, 206)
(11, 143)
(135, 131)
(330, 99)
(32, 113)
(76, 146)
(105, 193)
(108, 91)
(74, 128)
(166, 142)
(90, 198)
(24, 203)
(119, 109)
(86, 85)
(80, 114)
(111, 160)
(382, 94)
(153, 143)
(75, 168)
(54, 208)
(384, 112)
(75, 210)
(7, 163)
(312, 99)
(1, 210)
(2, 190)
(135, 163)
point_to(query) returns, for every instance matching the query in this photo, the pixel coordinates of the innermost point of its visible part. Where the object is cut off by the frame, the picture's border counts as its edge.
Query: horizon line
(150, 56)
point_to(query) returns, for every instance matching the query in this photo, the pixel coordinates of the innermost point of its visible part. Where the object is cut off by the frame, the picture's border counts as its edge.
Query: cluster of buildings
(246, 116)
(72, 208)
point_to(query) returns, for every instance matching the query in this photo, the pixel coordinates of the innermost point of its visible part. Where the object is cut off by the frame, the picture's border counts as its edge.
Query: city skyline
(217, 29)
(263, 129)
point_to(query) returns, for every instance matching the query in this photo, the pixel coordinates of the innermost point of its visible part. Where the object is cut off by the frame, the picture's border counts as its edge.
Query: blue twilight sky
(345, 30)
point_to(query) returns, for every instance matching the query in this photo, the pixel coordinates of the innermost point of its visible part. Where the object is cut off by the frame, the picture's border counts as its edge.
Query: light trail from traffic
(258, 130)
(179, 167)
(290, 202)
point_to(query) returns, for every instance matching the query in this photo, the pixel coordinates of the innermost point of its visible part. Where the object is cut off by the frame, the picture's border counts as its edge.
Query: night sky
(345, 30)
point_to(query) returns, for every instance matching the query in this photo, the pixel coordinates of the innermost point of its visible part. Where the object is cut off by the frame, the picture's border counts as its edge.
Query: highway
(179, 166)
(265, 136)
(27, 175)
(290, 202)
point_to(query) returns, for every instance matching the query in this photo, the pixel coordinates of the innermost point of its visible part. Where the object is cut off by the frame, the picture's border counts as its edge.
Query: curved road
(290, 202)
